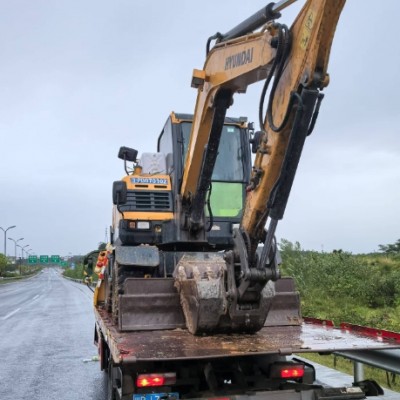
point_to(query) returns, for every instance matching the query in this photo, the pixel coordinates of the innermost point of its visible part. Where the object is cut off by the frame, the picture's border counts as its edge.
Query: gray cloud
(80, 79)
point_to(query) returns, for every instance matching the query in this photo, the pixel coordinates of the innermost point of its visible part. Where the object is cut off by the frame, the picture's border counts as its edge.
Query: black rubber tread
(108, 303)
(117, 289)
(119, 274)
(108, 289)
(109, 284)
(111, 392)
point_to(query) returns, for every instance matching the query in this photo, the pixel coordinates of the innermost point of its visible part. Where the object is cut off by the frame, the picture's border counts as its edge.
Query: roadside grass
(78, 273)
(27, 273)
(380, 260)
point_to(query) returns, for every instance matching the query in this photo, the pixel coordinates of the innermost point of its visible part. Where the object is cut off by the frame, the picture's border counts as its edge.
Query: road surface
(46, 340)
(46, 343)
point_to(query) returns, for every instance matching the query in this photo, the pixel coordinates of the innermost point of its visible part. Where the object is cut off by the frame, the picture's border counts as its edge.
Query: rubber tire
(109, 285)
(119, 274)
(118, 278)
(111, 391)
(104, 353)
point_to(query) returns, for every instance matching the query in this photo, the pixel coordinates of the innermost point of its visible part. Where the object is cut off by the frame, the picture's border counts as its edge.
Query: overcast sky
(79, 79)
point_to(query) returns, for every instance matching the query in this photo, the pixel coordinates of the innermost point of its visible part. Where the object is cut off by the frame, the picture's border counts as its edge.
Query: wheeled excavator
(189, 221)
(192, 216)
(190, 302)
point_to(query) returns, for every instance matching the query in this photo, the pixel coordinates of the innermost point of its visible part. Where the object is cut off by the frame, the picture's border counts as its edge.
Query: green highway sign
(44, 259)
(55, 259)
(63, 263)
(32, 259)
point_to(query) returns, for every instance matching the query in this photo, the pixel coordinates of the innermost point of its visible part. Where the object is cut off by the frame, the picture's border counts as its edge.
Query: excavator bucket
(150, 304)
(200, 280)
(210, 307)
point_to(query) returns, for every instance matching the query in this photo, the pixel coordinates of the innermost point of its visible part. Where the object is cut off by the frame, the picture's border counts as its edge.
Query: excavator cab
(226, 198)
(227, 191)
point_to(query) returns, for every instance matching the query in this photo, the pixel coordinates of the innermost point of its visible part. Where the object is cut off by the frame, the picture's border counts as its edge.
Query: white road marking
(10, 314)
(35, 297)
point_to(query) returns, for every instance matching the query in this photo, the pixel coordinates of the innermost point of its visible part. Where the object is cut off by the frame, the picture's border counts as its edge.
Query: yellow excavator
(190, 302)
(193, 233)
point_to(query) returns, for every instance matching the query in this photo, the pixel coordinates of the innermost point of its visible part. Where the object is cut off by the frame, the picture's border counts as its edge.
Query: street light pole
(22, 257)
(15, 247)
(5, 238)
(23, 248)
(20, 261)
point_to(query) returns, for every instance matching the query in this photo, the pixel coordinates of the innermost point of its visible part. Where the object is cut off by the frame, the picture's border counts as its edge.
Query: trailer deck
(179, 344)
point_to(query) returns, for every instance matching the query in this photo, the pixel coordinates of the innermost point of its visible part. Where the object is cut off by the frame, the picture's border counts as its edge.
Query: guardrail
(387, 360)
(93, 284)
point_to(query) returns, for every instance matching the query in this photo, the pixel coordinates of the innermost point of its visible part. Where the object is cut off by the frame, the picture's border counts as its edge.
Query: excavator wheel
(108, 303)
(109, 284)
(111, 391)
(119, 274)
(118, 278)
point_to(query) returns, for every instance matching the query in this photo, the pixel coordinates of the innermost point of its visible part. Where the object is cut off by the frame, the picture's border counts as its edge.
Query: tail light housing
(145, 225)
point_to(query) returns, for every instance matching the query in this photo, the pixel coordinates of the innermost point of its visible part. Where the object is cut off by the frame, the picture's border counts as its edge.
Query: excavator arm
(235, 63)
(229, 68)
(293, 62)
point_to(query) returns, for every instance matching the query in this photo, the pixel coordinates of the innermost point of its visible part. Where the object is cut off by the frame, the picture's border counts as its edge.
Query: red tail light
(293, 372)
(287, 370)
(147, 380)
(219, 398)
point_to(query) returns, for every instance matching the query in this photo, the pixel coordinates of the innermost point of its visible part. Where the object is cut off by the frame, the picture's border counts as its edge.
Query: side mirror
(119, 192)
(255, 141)
(127, 154)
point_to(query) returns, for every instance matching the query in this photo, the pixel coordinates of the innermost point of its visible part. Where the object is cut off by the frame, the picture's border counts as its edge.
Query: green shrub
(344, 287)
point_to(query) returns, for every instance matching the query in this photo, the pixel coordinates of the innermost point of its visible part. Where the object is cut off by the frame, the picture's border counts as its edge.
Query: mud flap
(150, 304)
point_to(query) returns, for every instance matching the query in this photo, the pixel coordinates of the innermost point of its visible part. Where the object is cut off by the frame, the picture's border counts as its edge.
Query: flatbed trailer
(127, 355)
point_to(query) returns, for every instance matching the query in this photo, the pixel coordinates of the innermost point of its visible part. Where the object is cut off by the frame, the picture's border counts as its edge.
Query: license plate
(156, 396)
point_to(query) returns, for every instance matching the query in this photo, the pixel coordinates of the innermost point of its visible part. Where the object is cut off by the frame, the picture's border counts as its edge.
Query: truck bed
(179, 344)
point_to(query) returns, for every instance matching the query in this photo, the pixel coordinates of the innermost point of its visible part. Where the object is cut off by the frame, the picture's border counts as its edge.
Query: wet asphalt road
(46, 338)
